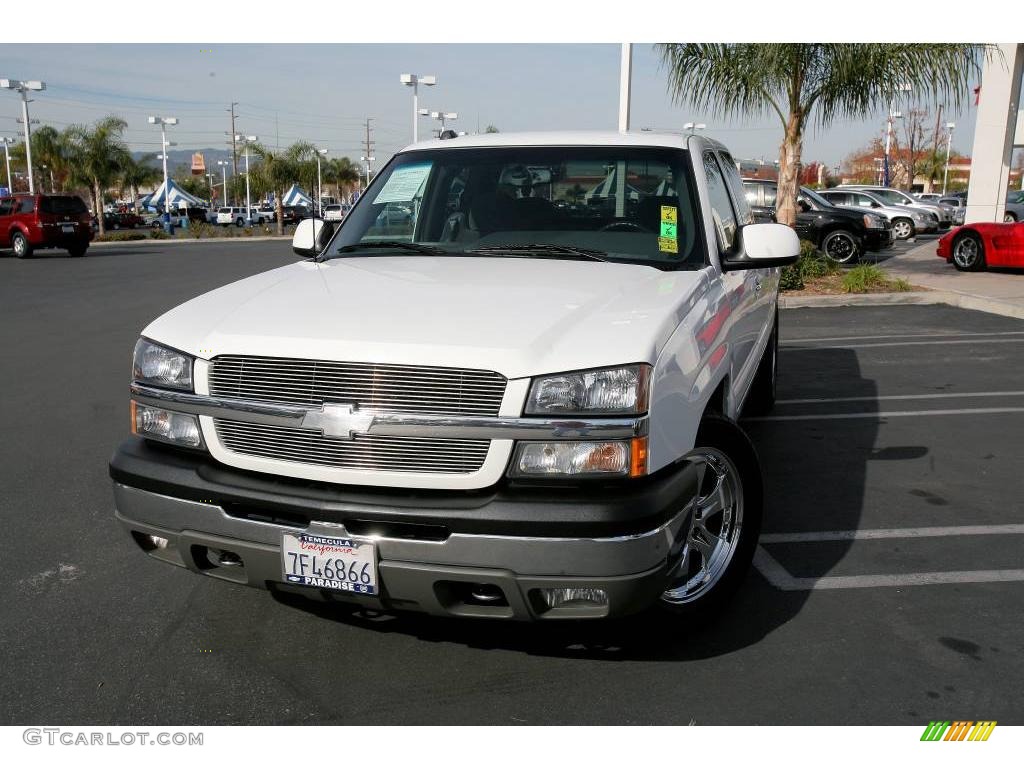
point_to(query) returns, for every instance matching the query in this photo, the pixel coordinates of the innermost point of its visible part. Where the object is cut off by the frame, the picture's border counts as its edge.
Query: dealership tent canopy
(295, 196)
(178, 197)
(609, 188)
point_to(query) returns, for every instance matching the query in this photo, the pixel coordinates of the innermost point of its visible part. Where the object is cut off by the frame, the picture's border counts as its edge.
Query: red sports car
(986, 244)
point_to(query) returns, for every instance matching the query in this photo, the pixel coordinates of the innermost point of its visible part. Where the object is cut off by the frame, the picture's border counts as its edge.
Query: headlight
(161, 367)
(582, 458)
(873, 222)
(166, 426)
(605, 392)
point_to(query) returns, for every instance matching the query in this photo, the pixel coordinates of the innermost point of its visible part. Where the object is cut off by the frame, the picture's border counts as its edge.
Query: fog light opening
(226, 559)
(556, 597)
(487, 594)
(157, 542)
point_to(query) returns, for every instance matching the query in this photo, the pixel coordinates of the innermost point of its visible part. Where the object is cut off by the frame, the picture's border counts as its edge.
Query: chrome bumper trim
(397, 424)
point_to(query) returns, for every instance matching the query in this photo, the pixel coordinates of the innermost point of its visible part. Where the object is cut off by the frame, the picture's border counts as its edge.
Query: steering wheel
(624, 224)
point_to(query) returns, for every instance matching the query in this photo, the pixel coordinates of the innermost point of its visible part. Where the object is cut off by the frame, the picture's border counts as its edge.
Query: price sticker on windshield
(668, 245)
(669, 213)
(668, 241)
(668, 229)
(404, 184)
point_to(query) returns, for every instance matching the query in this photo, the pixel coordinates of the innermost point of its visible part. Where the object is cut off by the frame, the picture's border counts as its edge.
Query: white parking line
(904, 336)
(902, 344)
(780, 578)
(884, 414)
(930, 396)
(893, 533)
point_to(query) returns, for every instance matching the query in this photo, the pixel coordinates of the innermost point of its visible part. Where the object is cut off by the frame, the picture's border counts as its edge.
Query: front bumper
(433, 547)
(878, 239)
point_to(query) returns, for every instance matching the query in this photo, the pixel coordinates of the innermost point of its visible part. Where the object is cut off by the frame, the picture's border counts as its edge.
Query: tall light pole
(415, 81)
(224, 175)
(692, 128)
(163, 122)
(319, 183)
(625, 82)
(893, 115)
(7, 141)
(248, 200)
(442, 117)
(367, 160)
(949, 149)
(209, 183)
(23, 87)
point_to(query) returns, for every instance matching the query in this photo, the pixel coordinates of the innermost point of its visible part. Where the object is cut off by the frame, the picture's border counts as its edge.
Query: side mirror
(311, 237)
(760, 246)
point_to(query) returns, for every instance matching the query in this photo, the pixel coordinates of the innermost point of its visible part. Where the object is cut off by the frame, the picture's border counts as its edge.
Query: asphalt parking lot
(887, 589)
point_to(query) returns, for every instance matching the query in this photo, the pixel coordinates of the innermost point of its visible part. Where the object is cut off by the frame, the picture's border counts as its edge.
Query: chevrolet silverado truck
(516, 401)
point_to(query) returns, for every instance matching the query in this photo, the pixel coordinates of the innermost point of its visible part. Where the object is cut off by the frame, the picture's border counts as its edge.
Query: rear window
(65, 204)
(224, 210)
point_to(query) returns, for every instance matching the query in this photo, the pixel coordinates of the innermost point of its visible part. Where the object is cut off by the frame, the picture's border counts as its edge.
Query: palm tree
(139, 173)
(342, 173)
(276, 171)
(97, 153)
(813, 82)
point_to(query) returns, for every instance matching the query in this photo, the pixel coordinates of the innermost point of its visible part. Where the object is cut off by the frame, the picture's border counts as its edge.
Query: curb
(960, 300)
(193, 240)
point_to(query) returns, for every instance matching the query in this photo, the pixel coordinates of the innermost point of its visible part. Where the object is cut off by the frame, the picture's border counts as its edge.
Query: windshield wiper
(429, 250)
(545, 249)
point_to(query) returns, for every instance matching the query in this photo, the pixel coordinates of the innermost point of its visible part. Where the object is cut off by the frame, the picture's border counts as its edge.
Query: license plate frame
(67, 229)
(324, 561)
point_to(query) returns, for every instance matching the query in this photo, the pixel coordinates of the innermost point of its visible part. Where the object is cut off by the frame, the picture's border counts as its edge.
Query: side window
(735, 182)
(863, 200)
(28, 205)
(7, 206)
(721, 205)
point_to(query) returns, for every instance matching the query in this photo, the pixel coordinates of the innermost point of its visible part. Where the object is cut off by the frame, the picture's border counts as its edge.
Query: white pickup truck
(516, 400)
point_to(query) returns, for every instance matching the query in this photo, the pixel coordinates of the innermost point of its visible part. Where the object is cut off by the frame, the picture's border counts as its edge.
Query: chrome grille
(370, 452)
(370, 386)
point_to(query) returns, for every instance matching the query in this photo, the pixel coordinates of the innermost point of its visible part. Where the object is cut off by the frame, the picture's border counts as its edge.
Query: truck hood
(517, 316)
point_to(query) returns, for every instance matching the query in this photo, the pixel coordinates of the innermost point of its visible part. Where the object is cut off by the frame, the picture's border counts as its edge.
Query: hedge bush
(810, 264)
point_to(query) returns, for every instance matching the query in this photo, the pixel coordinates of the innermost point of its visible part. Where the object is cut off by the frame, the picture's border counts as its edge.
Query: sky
(324, 93)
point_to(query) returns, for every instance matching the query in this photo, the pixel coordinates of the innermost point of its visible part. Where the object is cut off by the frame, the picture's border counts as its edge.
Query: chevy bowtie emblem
(338, 420)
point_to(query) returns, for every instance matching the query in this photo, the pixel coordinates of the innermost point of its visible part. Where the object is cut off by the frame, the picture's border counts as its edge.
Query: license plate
(343, 563)
(68, 227)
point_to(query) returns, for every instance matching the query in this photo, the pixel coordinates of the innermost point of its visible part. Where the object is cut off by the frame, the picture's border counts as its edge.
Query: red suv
(28, 222)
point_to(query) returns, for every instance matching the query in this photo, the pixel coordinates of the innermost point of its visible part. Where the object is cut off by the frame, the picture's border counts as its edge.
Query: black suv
(840, 234)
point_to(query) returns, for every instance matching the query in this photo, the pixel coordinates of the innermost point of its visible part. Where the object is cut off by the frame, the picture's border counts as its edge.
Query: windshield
(891, 196)
(629, 204)
(816, 198)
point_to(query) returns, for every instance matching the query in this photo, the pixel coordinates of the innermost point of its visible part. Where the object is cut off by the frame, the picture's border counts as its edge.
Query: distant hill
(178, 157)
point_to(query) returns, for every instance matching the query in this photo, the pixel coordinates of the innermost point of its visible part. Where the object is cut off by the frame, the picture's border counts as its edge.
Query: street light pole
(367, 160)
(224, 175)
(415, 81)
(248, 199)
(163, 122)
(319, 183)
(625, 83)
(893, 114)
(7, 141)
(23, 87)
(443, 116)
(949, 149)
(692, 128)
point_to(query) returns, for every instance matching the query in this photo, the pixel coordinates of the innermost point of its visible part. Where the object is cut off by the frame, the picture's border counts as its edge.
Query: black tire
(723, 439)
(841, 246)
(239, 222)
(761, 398)
(22, 247)
(1009, 217)
(78, 251)
(969, 252)
(904, 226)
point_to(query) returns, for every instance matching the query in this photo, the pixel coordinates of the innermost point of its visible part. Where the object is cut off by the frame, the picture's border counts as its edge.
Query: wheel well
(717, 402)
(837, 228)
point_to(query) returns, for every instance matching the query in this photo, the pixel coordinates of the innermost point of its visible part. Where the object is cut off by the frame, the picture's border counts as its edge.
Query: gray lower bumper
(430, 576)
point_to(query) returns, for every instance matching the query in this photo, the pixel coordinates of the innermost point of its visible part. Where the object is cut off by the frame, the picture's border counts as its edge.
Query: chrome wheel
(902, 228)
(965, 253)
(20, 245)
(840, 246)
(715, 527)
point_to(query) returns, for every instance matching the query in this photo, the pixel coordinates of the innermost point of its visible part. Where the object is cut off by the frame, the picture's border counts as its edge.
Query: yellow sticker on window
(668, 245)
(669, 213)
